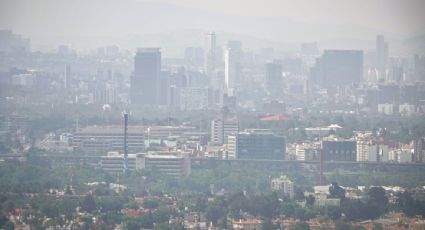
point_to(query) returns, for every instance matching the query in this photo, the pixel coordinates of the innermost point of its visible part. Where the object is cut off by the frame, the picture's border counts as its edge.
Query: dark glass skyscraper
(145, 81)
(341, 67)
(274, 78)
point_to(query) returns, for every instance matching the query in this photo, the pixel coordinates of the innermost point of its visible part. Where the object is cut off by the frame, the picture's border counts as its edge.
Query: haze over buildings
(167, 114)
(273, 20)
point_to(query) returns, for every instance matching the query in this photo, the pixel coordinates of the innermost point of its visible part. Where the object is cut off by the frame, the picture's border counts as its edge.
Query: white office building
(366, 150)
(221, 129)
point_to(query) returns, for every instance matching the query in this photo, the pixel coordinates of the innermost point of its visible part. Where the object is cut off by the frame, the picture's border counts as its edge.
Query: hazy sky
(283, 20)
(391, 15)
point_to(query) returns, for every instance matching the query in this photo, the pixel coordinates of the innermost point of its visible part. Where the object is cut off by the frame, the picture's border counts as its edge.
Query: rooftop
(110, 129)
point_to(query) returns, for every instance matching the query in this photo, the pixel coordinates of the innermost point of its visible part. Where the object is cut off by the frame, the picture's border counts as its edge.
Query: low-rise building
(101, 139)
(113, 162)
(322, 200)
(169, 163)
(387, 109)
(338, 149)
(258, 144)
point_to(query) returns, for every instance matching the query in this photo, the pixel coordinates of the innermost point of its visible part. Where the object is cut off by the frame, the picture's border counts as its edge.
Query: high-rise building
(193, 98)
(274, 82)
(257, 144)
(217, 131)
(10, 42)
(232, 65)
(67, 77)
(210, 54)
(340, 67)
(221, 129)
(309, 48)
(419, 150)
(381, 52)
(163, 88)
(194, 57)
(107, 95)
(366, 150)
(230, 70)
(145, 83)
(419, 68)
(305, 152)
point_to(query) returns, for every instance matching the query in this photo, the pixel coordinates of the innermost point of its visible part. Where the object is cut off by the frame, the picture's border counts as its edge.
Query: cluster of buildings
(219, 75)
(363, 147)
(226, 141)
(213, 78)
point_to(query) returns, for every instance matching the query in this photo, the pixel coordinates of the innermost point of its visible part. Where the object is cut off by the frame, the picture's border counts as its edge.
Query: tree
(132, 224)
(146, 221)
(214, 212)
(333, 212)
(112, 218)
(8, 226)
(4, 148)
(68, 190)
(340, 225)
(408, 205)
(267, 224)
(299, 213)
(336, 191)
(162, 214)
(309, 200)
(288, 208)
(88, 204)
(162, 226)
(110, 204)
(300, 226)
(353, 209)
(201, 203)
(150, 204)
(377, 202)
(50, 210)
(67, 207)
(237, 202)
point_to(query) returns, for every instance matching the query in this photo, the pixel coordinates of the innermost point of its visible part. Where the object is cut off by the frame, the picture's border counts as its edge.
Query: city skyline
(212, 115)
(90, 24)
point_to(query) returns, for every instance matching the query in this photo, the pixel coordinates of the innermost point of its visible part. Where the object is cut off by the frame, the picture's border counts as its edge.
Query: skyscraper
(229, 70)
(145, 81)
(232, 65)
(222, 128)
(67, 77)
(274, 78)
(341, 67)
(210, 54)
(381, 52)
